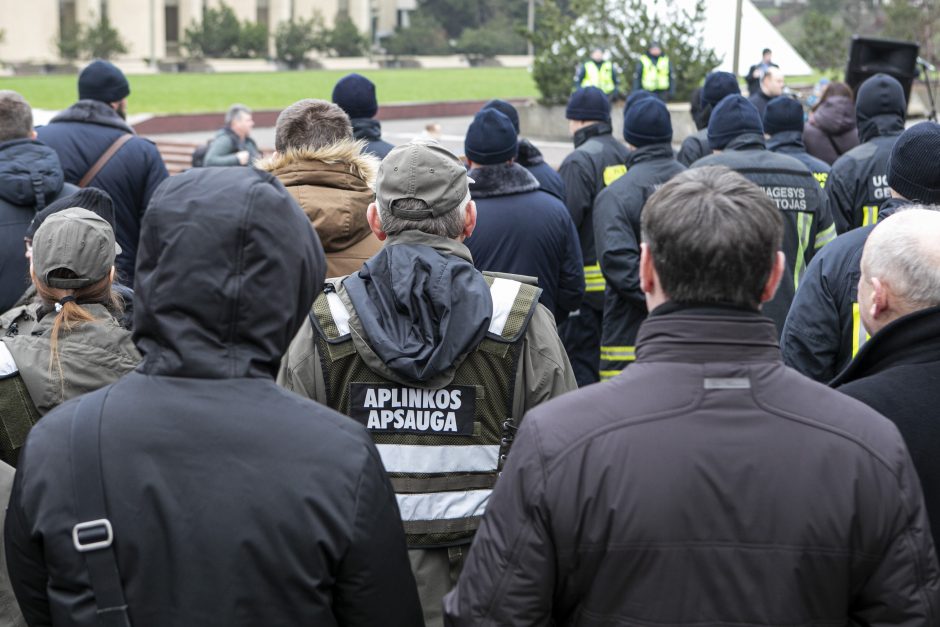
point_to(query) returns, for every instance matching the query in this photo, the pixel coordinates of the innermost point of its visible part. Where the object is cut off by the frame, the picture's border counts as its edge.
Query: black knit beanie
(783, 114)
(355, 94)
(588, 104)
(506, 109)
(912, 166)
(91, 198)
(647, 122)
(102, 80)
(491, 138)
(733, 116)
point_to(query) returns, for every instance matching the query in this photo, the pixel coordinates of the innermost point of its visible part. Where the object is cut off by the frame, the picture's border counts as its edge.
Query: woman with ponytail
(77, 344)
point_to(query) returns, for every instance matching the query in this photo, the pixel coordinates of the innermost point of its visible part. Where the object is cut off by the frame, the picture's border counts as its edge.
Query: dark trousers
(581, 336)
(436, 572)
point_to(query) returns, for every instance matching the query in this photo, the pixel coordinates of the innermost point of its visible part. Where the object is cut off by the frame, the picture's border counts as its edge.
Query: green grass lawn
(194, 93)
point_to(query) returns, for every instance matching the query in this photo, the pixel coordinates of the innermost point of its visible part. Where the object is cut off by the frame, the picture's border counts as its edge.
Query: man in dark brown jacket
(330, 177)
(708, 484)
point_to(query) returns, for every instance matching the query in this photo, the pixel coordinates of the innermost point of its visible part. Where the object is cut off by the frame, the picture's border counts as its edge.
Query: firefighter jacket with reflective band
(858, 181)
(824, 330)
(600, 76)
(442, 447)
(617, 235)
(656, 74)
(597, 161)
(790, 143)
(805, 209)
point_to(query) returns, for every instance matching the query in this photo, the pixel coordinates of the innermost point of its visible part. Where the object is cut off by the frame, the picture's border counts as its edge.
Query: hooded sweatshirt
(370, 131)
(831, 130)
(233, 502)
(858, 182)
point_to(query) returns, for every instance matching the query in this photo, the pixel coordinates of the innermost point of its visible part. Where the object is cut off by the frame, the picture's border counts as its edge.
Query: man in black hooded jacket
(355, 94)
(232, 502)
(858, 184)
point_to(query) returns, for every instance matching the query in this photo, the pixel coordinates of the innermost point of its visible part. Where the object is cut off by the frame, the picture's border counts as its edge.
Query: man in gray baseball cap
(436, 359)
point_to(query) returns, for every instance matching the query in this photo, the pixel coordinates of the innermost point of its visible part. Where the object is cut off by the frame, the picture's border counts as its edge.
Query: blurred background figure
(654, 73)
(598, 71)
(771, 85)
(831, 130)
(756, 71)
(233, 144)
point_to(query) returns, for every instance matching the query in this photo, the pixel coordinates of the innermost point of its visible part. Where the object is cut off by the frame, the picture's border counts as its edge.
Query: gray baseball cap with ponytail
(76, 240)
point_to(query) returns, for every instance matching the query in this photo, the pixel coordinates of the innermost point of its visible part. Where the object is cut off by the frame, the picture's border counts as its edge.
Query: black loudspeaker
(868, 57)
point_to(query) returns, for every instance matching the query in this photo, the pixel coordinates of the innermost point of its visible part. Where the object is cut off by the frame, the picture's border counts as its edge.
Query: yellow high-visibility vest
(601, 77)
(655, 75)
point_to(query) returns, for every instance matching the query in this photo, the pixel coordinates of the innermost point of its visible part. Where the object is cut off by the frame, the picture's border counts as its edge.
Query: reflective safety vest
(601, 77)
(655, 75)
(442, 448)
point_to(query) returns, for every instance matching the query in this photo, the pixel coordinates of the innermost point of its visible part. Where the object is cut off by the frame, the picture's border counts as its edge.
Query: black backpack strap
(93, 535)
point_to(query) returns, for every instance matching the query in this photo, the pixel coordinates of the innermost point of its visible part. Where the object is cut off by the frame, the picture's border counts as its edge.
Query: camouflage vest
(442, 448)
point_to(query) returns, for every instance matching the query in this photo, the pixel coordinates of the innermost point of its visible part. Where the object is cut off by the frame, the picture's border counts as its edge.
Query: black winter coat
(370, 131)
(597, 161)
(617, 213)
(831, 130)
(803, 205)
(897, 373)
(30, 178)
(233, 501)
(706, 485)
(790, 143)
(80, 135)
(532, 160)
(523, 230)
(823, 330)
(694, 147)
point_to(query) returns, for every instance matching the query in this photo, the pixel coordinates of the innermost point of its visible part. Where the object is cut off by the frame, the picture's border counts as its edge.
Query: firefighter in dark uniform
(823, 331)
(717, 86)
(736, 134)
(858, 181)
(597, 161)
(647, 129)
(598, 72)
(654, 73)
(436, 360)
(783, 122)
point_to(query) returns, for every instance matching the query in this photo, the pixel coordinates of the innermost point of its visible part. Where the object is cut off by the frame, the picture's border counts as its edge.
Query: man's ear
(375, 222)
(648, 278)
(33, 134)
(470, 222)
(880, 298)
(773, 281)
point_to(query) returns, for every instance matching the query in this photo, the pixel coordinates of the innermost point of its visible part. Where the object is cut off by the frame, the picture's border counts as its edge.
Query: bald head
(772, 82)
(900, 267)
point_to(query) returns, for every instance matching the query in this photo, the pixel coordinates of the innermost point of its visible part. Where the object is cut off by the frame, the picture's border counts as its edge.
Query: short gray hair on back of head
(234, 111)
(16, 116)
(449, 225)
(903, 251)
(311, 124)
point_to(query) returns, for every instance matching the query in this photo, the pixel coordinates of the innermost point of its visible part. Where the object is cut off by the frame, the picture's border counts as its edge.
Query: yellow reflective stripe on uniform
(613, 172)
(804, 225)
(618, 353)
(594, 279)
(826, 236)
(601, 77)
(609, 374)
(869, 214)
(859, 334)
(655, 76)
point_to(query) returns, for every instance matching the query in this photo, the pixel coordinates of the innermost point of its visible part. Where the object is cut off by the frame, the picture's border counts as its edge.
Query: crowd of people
(350, 383)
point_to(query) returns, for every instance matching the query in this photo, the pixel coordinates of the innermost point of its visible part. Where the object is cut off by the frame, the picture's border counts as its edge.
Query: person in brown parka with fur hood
(330, 177)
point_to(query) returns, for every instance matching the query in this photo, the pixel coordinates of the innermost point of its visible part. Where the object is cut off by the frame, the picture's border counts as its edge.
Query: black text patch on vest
(395, 409)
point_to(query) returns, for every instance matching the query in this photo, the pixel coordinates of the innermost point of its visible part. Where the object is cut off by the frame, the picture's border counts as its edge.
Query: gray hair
(234, 111)
(449, 225)
(311, 124)
(16, 116)
(904, 252)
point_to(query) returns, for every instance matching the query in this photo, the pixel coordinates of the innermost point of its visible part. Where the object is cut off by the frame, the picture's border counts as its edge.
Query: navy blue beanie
(102, 80)
(635, 97)
(733, 116)
(355, 94)
(717, 86)
(491, 138)
(880, 94)
(783, 114)
(588, 103)
(912, 166)
(647, 122)
(506, 109)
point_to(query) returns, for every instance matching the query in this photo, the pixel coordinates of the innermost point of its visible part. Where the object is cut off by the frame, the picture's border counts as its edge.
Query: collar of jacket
(707, 334)
(892, 206)
(911, 339)
(650, 153)
(528, 155)
(503, 179)
(594, 130)
(441, 244)
(368, 129)
(309, 166)
(93, 112)
(747, 141)
(885, 125)
(786, 141)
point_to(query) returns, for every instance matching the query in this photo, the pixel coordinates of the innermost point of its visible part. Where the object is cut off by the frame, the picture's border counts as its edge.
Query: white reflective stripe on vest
(443, 505)
(503, 292)
(415, 458)
(7, 365)
(339, 312)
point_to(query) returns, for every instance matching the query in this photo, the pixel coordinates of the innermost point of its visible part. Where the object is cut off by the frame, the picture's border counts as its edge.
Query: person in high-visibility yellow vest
(654, 73)
(598, 72)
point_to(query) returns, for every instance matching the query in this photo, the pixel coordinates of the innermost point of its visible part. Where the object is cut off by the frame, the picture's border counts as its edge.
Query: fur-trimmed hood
(333, 185)
(501, 180)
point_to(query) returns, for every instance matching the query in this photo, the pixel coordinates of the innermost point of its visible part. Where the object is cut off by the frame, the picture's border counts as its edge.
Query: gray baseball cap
(425, 170)
(74, 239)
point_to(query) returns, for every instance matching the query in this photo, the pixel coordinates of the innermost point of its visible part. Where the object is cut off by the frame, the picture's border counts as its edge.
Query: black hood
(880, 108)
(30, 173)
(93, 112)
(421, 309)
(227, 271)
(366, 128)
